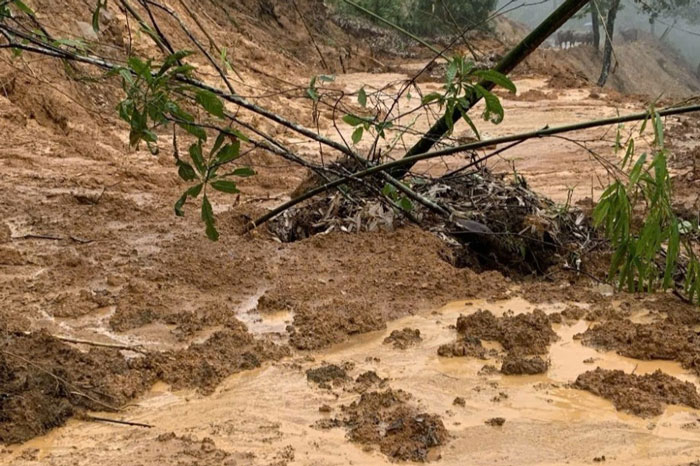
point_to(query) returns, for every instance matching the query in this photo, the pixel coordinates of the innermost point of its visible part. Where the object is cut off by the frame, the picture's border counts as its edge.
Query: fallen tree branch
(115, 421)
(467, 147)
(78, 341)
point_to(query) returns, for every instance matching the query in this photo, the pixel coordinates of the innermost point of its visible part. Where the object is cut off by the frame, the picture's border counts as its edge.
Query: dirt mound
(495, 223)
(642, 395)
(403, 339)
(529, 333)
(646, 67)
(659, 340)
(205, 365)
(387, 420)
(43, 382)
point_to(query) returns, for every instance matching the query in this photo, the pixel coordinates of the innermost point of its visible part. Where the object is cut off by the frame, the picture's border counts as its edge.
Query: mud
(45, 381)
(659, 340)
(520, 334)
(642, 395)
(518, 365)
(325, 375)
(388, 421)
(403, 339)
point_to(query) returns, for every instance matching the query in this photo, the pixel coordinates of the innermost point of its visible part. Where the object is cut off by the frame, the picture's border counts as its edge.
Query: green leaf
(186, 171)
(431, 97)
(96, 15)
(357, 134)
(362, 97)
(217, 144)
(208, 218)
(326, 78)
(228, 153)
(194, 130)
(172, 59)
(23, 7)
(140, 67)
(497, 78)
(244, 172)
(354, 120)
(197, 158)
(225, 186)
(193, 192)
(494, 110)
(210, 102)
(406, 204)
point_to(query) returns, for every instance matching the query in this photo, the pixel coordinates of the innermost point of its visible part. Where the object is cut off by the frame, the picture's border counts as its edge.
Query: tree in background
(426, 17)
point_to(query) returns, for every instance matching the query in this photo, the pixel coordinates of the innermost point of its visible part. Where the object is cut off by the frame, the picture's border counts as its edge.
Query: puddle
(262, 412)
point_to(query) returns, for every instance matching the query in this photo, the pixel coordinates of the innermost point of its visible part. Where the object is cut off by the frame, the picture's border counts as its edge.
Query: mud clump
(367, 380)
(43, 382)
(467, 346)
(386, 419)
(315, 328)
(641, 395)
(529, 333)
(205, 365)
(403, 339)
(659, 340)
(327, 374)
(519, 365)
(495, 421)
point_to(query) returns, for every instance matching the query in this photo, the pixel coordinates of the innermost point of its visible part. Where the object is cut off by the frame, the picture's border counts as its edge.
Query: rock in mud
(515, 364)
(403, 339)
(642, 395)
(386, 419)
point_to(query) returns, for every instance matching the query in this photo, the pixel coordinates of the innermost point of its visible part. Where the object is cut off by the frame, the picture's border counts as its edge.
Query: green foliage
(646, 258)
(426, 17)
(400, 201)
(463, 84)
(150, 105)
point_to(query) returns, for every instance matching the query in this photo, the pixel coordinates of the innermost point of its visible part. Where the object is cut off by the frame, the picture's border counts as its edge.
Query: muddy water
(260, 416)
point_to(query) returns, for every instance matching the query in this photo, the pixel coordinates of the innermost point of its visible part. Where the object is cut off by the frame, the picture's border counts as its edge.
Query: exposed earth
(366, 347)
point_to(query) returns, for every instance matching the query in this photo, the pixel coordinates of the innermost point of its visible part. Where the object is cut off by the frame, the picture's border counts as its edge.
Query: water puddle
(273, 408)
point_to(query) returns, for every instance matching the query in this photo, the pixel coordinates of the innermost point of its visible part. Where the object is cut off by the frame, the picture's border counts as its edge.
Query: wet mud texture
(44, 381)
(642, 395)
(521, 336)
(403, 339)
(660, 340)
(387, 420)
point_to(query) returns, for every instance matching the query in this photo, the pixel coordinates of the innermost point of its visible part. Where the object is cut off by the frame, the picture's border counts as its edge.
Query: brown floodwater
(257, 414)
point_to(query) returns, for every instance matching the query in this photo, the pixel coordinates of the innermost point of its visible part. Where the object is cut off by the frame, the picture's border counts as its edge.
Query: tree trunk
(595, 21)
(607, 53)
(523, 50)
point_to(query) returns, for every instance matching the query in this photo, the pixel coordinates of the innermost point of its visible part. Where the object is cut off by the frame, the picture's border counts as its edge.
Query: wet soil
(387, 420)
(643, 395)
(90, 249)
(520, 334)
(403, 339)
(659, 340)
